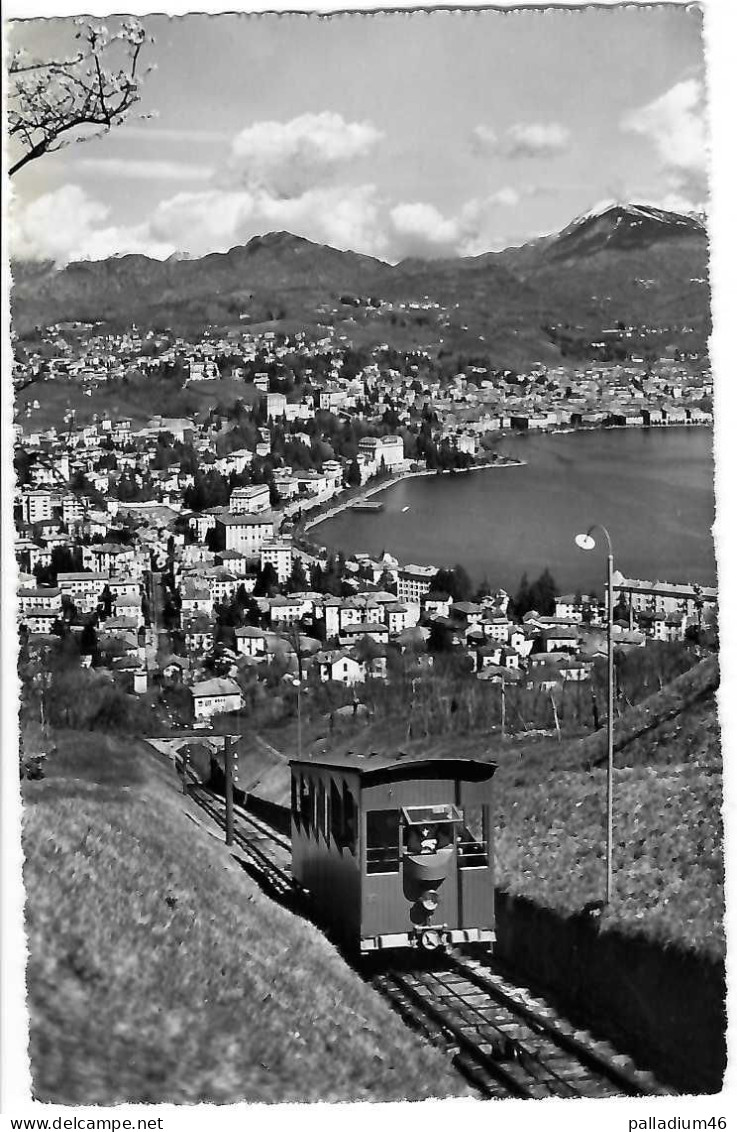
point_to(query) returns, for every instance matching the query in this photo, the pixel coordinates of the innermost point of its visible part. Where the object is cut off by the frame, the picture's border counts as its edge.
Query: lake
(652, 488)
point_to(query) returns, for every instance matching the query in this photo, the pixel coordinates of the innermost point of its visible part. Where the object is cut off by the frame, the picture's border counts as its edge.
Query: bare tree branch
(51, 101)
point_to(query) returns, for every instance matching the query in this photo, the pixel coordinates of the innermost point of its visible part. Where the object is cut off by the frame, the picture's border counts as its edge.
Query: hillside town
(365, 729)
(175, 551)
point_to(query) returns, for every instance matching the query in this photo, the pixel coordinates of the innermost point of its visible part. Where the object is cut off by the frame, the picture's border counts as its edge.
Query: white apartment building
(78, 582)
(234, 461)
(72, 509)
(250, 641)
(276, 405)
(251, 500)
(663, 597)
(413, 582)
(47, 598)
(212, 697)
(247, 533)
(37, 506)
(386, 450)
(400, 617)
(279, 555)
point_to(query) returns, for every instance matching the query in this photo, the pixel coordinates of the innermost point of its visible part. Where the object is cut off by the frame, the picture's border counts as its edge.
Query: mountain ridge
(621, 263)
(282, 237)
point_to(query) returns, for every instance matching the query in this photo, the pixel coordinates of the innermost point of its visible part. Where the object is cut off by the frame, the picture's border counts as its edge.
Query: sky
(392, 134)
(592, 72)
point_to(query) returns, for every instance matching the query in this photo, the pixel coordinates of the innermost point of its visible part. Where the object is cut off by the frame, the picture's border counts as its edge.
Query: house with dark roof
(214, 697)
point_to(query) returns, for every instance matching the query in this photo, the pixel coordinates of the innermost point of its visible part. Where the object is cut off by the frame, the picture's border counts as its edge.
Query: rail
(273, 867)
(503, 1040)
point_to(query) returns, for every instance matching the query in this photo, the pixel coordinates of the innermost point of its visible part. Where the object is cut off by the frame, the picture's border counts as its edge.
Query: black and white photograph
(363, 582)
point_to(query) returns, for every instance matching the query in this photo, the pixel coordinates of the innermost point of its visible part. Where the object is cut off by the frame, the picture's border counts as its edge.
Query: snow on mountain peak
(636, 213)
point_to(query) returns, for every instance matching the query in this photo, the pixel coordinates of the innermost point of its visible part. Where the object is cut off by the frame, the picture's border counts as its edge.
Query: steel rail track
(504, 1041)
(501, 1050)
(198, 791)
(598, 1056)
(276, 872)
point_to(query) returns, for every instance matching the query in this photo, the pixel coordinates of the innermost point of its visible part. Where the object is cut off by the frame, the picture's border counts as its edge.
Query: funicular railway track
(266, 850)
(504, 1045)
(504, 1041)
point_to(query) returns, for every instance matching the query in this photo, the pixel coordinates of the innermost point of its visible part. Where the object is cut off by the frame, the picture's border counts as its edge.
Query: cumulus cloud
(537, 139)
(675, 123)
(485, 137)
(217, 219)
(524, 139)
(277, 176)
(285, 159)
(420, 229)
(199, 222)
(506, 196)
(67, 224)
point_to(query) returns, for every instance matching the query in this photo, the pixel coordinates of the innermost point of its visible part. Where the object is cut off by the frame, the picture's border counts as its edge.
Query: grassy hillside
(158, 971)
(551, 808)
(668, 834)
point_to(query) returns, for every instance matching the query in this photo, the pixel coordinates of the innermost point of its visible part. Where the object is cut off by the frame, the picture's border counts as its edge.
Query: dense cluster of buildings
(199, 597)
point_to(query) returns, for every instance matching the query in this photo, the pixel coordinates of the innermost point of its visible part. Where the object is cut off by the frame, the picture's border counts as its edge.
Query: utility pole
(185, 768)
(299, 716)
(298, 684)
(230, 761)
(504, 709)
(610, 725)
(555, 714)
(586, 542)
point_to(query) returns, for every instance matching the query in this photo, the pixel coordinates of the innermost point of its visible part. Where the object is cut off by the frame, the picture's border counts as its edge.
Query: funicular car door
(410, 873)
(429, 864)
(384, 911)
(476, 857)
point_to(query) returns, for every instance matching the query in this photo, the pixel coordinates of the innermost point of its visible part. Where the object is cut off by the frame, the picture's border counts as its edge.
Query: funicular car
(396, 852)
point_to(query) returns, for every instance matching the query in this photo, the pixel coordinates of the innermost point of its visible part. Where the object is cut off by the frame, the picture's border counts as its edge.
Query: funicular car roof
(401, 765)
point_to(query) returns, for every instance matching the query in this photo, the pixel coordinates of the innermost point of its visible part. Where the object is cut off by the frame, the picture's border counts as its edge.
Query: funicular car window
(336, 815)
(321, 823)
(313, 810)
(382, 841)
(295, 799)
(305, 802)
(473, 839)
(349, 821)
(428, 829)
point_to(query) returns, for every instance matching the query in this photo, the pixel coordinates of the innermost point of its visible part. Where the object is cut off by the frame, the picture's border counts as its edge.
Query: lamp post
(298, 686)
(586, 542)
(297, 683)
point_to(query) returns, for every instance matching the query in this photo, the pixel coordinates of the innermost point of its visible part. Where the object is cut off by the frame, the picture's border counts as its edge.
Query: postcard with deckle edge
(365, 590)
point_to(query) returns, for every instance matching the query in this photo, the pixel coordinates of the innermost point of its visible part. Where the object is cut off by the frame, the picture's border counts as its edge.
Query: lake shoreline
(653, 487)
(401, 477)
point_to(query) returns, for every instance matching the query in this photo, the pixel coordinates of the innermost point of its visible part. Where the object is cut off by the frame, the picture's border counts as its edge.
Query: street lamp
(586, 542)
(297, 683)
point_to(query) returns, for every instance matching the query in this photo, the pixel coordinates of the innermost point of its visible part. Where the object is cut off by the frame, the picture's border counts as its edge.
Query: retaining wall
(277, 816)
(663, 1006)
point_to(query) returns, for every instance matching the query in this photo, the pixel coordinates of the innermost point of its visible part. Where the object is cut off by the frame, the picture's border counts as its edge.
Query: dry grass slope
(159, 972)
(551, 815)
